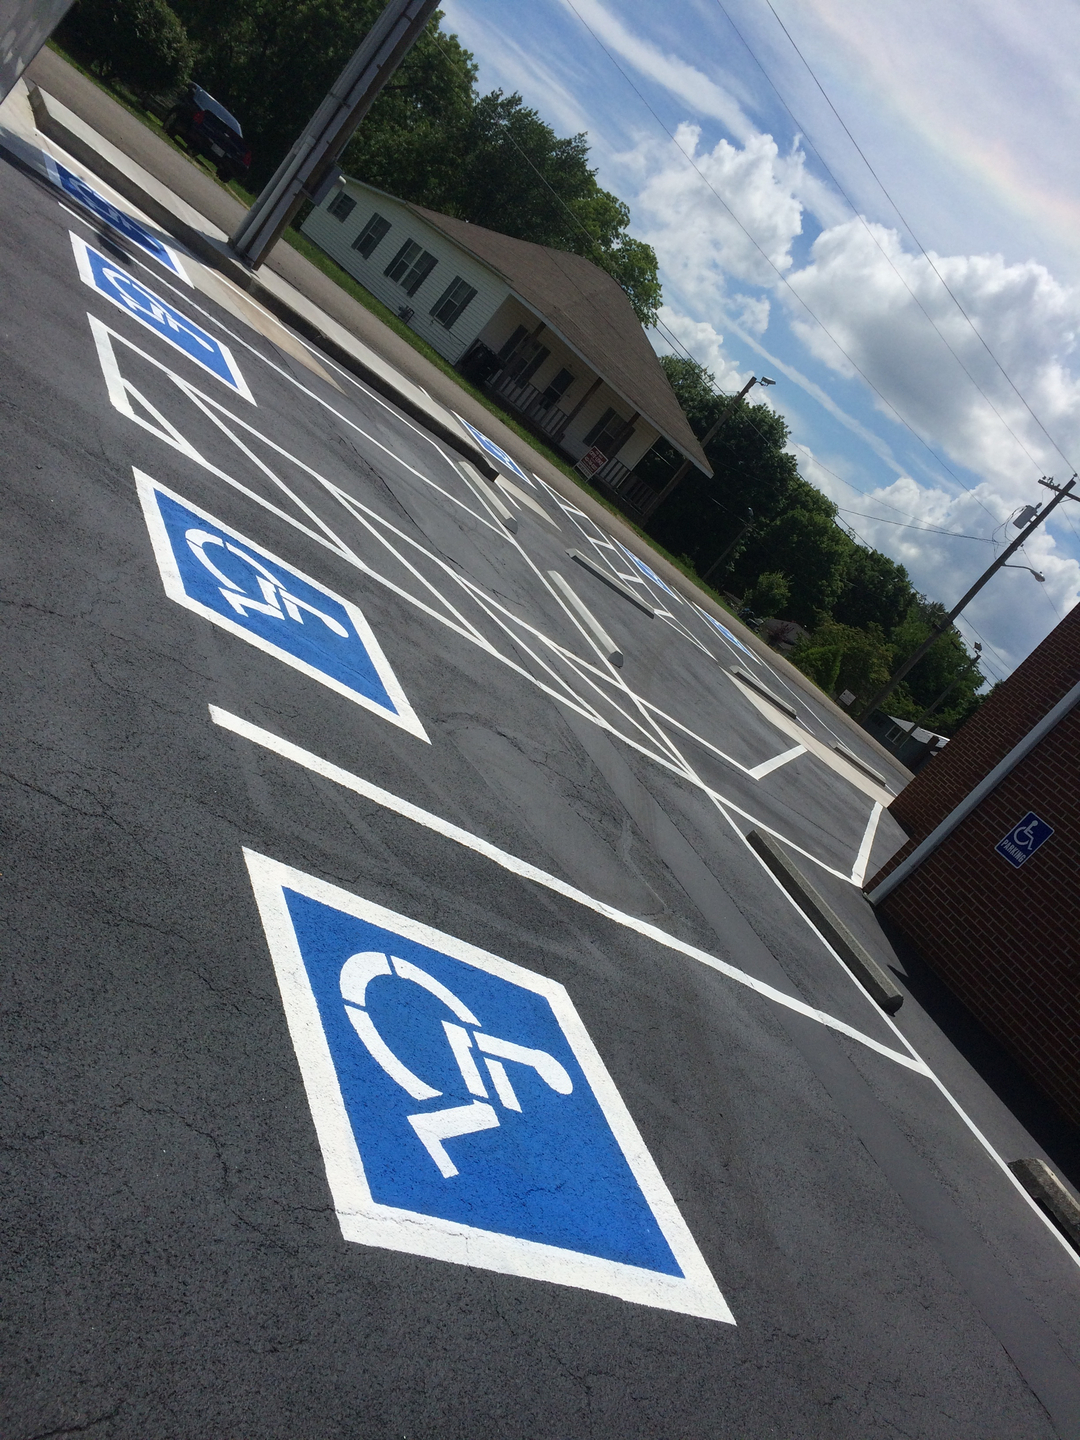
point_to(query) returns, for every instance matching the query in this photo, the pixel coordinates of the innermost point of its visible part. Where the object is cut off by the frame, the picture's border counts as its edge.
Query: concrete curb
(587, 618)
(606, 578)
(1043, 1185)
(755, 684)
(859, 961)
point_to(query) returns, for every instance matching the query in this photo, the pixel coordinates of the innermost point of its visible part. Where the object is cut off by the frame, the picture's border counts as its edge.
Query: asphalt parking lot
(402, 1038)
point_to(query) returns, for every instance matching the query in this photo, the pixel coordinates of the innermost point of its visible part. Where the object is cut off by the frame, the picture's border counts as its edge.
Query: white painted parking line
(375, 793)
(642, 734)
(116, 218)
(768, 766)
(551, 1182)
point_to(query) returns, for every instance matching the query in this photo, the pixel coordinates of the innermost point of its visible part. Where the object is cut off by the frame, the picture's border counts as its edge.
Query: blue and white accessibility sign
(496, 452)
(462, 1110)
(114, 284)
(109, 214)
(233, 582)
(1024, 839)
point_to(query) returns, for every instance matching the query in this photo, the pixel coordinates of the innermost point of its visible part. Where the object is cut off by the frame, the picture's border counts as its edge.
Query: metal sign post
(300, 174)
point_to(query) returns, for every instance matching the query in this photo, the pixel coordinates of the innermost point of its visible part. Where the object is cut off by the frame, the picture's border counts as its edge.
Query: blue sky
(789, 234)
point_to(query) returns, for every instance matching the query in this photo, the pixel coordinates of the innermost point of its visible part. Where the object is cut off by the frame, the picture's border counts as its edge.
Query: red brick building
(1001, 926)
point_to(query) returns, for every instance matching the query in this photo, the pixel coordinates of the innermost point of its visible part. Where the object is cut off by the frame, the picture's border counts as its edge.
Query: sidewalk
(185, 202)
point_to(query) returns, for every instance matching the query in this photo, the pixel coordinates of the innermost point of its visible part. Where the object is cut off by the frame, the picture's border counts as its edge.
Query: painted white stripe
(348, 781)
(768, 766)
(858, 870)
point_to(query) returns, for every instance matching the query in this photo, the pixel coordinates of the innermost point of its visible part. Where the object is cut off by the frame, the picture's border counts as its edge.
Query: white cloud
(694, 89)
(875, 300)
(689, 220)
(706, 344)
(1014, 608)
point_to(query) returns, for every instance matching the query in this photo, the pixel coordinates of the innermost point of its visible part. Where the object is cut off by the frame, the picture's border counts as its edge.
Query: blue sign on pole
(462, 1110)
(1024, 839)
(497, 453)
(236, 584)
(114, 284)
(78, 189)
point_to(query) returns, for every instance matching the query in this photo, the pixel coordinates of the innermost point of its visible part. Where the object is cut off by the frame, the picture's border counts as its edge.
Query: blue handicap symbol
(495, 451)
(646, 570)
(1024, 839)
(727, 634)
(228, 579)
(117, 219)
(110, 280)
(464, 1096)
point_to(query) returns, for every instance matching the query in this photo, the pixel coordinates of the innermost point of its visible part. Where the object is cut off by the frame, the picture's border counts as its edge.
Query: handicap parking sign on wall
(233, 582)
(1024, 839)
(462, 1110)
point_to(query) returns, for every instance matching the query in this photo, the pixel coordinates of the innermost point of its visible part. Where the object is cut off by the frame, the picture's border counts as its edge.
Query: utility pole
(1060, 493)
(728, 548)
(729, 411)
(308, 171)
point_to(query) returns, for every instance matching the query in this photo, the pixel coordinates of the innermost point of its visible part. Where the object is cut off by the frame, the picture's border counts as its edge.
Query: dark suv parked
(207, 128)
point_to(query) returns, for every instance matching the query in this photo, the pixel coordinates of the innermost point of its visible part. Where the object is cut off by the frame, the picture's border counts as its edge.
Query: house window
(342, 207)
(453, 302)
(370, 235)
(608, 434)
(411, 266)
(557, 389)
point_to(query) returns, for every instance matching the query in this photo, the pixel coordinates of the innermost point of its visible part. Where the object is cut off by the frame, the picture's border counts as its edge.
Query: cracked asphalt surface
(174, 1265)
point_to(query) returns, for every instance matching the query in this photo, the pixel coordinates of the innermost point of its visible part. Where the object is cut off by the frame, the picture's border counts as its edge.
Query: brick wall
(1035, 687)
(1007, 941)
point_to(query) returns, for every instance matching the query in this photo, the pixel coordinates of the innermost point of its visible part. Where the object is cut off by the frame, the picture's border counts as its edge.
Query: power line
(672, 338)
(918, 242)
(771, 263)
(862, 220)
(930, 529)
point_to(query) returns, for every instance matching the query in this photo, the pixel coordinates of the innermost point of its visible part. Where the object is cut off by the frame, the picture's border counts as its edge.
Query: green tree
(141, 42)
(805, 542)
(769, 595)
(429, 137)
(876, 591)
(845, 657)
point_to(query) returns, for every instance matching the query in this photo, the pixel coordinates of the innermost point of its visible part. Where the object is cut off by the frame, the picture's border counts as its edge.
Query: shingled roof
(587, 309)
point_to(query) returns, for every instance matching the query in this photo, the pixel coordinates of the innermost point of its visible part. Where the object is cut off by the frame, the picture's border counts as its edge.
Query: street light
(1038, 575)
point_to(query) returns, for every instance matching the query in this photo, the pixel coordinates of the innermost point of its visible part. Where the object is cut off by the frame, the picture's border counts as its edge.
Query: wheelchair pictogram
(433, 1127)
(1024, 839)
(461, 1107)
(277, 601)
(233, 582)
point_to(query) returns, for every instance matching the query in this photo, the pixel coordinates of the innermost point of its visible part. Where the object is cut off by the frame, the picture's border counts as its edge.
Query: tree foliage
(861, 608)
(142, 42)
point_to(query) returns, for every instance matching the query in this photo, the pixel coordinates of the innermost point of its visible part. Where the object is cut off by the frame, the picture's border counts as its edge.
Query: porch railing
(528, 400)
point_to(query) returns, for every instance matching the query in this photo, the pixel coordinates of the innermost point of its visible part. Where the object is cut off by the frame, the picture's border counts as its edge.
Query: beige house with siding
(549, 334)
